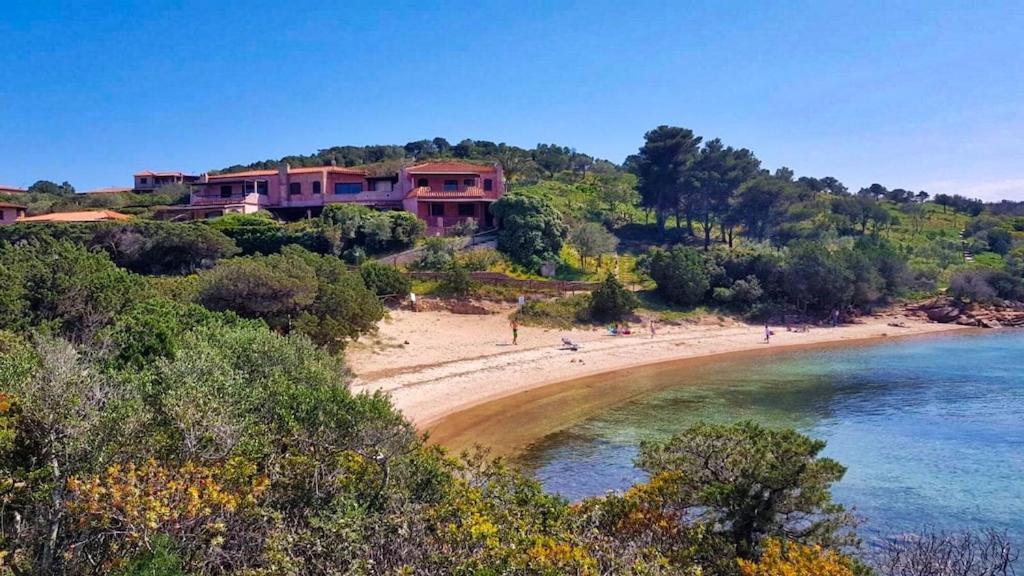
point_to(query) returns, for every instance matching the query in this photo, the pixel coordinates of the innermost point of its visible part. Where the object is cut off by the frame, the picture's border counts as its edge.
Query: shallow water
(931, 430)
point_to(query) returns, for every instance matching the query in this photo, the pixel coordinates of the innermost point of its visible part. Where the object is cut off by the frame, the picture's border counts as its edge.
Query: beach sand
(436, 364)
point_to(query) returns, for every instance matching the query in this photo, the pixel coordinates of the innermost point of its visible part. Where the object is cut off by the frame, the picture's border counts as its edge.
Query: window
(225, 191)
(348, 187)
(295, 188)
(451, 185)
(467, 209)
(143, 180)
(262, 187)
(422, 183)
(437, 209)
(469, 182)
(488, 184)
(316, 187)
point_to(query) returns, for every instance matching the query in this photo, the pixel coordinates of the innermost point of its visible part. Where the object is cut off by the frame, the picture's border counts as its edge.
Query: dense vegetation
(173, 396)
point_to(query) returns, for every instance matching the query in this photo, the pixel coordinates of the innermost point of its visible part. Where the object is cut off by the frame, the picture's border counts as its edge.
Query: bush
(466, 227)
(985, 285)
(253, 233)
(612, 301)
(295, 289)
(680, 274)
(479, 260)
(438, 253)
(455, 282)
(385, 280)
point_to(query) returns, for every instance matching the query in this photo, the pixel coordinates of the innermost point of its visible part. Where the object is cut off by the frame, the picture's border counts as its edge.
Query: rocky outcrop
(946, 310)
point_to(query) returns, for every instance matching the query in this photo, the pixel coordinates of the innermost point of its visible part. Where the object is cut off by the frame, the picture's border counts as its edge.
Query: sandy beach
(435, 364)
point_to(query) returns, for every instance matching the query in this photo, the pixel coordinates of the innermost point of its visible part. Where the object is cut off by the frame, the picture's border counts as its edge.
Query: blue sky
(921, 95)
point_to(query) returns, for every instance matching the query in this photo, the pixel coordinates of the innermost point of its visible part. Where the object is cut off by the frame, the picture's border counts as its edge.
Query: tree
(680, 274)
(532, 229)
(611, 300)
(51, 188)
(761, 205)
(753, 483)
(709, 187)
(662, 164)
(592, 240)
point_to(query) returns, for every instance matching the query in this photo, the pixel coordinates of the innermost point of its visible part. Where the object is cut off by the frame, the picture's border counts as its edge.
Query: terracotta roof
(473, 193)
(449, 168)
(9, 205)
(109, 190)
(86, 216)
(11, 189)
(306, 170)
(151, 173)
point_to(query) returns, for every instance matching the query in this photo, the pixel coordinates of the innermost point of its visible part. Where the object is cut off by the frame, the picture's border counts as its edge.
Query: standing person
(515, 331)
(652, 330)
(835, 317)
(767, 333)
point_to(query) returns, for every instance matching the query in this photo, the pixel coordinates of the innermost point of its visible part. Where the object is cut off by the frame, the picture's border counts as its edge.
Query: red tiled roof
(307, 170)
(84, 216)
(449, 168)
(473, 193)
(11, 189)
(9, 205)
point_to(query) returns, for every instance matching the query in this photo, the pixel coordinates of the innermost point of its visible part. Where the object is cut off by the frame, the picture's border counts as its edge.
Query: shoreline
(509, 425)
(455, 375)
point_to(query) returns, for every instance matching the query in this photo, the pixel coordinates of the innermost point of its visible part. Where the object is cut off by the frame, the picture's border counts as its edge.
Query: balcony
(197, 199)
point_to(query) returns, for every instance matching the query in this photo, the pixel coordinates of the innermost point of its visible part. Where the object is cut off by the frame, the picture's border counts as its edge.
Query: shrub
(316, 295)
(479, 260)
(455, 282)
(384, 280)
(253, 233)
(680, 274)
(612, 301)
(438, 253)
(466, 227)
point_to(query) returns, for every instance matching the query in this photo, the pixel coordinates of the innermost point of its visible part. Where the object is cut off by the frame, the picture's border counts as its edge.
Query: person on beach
(653, 334)
(515, 331)
(767, 333)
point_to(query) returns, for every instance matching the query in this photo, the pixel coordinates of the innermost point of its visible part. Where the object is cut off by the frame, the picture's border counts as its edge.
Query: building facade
(148, 181)
(11, 213)
(442, 194)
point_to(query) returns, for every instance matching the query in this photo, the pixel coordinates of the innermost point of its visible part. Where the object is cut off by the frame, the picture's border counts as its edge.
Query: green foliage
(563, 312)
(455, 282)
(295, 289)
(681, 275)
(384, 280)
(592, 240)
(438, 253)
(612, 301)
(253, 233)
(754, 483)
(532, 230)
(63, 287)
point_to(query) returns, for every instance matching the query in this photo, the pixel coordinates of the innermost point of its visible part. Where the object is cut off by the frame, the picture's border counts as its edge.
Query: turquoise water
(931, 430)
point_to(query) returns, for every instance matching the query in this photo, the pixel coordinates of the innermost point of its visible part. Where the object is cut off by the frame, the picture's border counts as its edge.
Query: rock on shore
(945, 310)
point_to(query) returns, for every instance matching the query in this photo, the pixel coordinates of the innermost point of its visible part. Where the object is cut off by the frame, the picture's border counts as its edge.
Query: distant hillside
(520, 164)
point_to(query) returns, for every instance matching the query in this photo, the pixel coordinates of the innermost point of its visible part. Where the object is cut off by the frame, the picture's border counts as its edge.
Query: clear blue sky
(923, 94)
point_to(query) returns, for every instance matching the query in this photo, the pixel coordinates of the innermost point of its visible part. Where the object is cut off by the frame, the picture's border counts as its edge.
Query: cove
(931, 430)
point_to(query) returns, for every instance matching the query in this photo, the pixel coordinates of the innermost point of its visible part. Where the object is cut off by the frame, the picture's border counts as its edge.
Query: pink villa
(148, 181)
(442, 193)
(11, 213)
(11, 190)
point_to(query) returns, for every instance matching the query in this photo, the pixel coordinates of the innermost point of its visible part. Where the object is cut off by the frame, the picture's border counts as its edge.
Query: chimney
(282, 171)
(334, 162)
